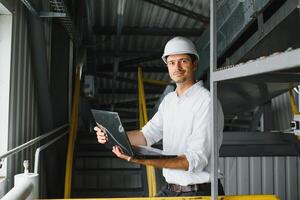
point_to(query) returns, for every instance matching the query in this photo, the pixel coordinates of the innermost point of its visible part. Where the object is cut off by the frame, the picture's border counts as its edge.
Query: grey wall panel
(262, 175)
(265, 175)
(255, 175)
(268, 175)
(230, 179)
(279, 176)
(243, 178)
(291, 179)
(23, 119)
(282, 114)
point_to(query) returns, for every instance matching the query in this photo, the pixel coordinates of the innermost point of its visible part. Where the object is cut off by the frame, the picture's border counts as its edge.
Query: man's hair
(192, 56)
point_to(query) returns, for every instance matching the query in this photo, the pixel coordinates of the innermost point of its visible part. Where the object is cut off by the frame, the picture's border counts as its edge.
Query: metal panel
(255, 175)
(268, 175)
(282, 112)
(23, 116)
(265, 175)
(138, 14)
(262, 175)
(244, 178)
(233, 19)
(282, 61)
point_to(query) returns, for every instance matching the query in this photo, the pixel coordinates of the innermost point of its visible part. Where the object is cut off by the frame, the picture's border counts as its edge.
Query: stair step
(96, 154)
(92, 148)
(98, 172)
(237, 126)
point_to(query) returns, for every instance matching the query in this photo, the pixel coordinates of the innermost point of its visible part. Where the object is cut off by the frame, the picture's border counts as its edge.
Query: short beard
(179, 84)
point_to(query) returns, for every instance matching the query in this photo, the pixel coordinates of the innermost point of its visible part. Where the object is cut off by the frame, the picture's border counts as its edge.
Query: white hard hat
(179, 45)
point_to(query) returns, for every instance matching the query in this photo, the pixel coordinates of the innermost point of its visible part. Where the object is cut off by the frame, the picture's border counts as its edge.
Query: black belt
(189, 188)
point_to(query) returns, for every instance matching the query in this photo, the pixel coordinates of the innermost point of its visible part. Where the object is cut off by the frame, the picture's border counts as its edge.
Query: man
(183, 122)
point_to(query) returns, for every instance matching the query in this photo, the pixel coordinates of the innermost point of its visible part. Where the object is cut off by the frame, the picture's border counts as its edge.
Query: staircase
(98, 173)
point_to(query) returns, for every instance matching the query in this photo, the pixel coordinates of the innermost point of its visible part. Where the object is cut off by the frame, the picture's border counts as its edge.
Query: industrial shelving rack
(287, 61)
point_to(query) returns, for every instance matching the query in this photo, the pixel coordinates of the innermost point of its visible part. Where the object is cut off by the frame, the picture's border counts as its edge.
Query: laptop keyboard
(143, 150)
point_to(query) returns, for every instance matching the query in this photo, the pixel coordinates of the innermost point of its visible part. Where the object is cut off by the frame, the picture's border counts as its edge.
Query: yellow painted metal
(293, 105)
(142, 94)
(156, 82)
(238, 197)
(143, 120)
(72, 135)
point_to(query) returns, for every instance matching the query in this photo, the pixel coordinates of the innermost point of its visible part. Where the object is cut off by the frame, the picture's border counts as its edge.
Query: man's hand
(120, 154)
(101, 134)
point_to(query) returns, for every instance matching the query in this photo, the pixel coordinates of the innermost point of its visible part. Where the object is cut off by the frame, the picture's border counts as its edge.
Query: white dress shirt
(183, 122)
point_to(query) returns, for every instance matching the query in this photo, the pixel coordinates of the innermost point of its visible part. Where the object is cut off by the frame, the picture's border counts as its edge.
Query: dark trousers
(166, 192)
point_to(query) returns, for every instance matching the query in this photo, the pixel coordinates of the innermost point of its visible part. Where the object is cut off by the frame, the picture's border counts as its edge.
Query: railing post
(72, 135)
(213, 92)
(143, 120)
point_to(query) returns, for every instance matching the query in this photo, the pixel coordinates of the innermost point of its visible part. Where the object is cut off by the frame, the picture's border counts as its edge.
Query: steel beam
(140, 60)
(134, 68)
(52, 14)
(239, 144)
(180, 10)
(30, 7)
(278, 77)
(142, 52)
(282, 61)
(133, 81)
(130, 91)
(213, 93)
(103, 30)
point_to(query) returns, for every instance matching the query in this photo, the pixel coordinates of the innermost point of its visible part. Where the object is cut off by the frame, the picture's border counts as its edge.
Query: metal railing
(30, 142)
(22, 191)
(41, 148)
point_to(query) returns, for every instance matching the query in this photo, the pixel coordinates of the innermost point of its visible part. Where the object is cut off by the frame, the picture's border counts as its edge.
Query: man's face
(181, 68)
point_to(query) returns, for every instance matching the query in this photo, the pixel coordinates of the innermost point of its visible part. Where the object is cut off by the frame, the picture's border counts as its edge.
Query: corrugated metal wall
(265, 175)
(262, 175)
(23, 110)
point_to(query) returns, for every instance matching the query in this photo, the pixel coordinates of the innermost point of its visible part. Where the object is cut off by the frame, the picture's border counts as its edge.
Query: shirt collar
(191, 90)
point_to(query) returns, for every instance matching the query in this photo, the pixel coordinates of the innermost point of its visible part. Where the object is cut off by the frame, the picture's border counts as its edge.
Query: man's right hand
(101, 134)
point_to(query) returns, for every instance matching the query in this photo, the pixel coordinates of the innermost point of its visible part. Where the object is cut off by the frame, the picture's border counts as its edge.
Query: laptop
(117, 136)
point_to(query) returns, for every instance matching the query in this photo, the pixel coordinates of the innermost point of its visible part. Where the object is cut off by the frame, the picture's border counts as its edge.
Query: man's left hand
(120, 154)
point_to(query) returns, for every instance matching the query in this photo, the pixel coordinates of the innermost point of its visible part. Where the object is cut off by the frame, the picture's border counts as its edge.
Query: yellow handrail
(293, 105)
(143, 120)
(72, 135)
(156, 82)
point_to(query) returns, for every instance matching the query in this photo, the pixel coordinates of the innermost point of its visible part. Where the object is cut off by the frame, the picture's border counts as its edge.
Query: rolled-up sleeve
(199, 142)
(153, 130)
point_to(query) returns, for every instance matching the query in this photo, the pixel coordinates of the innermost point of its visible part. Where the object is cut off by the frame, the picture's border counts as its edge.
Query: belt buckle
(175, 188)
(178, 188)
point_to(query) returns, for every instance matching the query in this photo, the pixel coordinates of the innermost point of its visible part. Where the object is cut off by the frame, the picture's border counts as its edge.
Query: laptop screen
(116, 133)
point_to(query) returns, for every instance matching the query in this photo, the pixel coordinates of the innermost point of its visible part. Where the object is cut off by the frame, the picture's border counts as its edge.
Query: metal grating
(59, 6)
